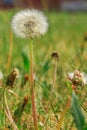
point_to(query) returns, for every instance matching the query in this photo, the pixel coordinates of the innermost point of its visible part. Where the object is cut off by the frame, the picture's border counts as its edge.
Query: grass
(66, 34)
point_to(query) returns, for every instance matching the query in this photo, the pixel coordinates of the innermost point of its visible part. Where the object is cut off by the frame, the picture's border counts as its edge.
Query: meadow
(59, 107)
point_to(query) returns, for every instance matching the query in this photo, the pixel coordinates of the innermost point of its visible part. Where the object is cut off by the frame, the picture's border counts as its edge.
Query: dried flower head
(11, 78)
(78, 78)
(25, 101)
(29, 23)
(25, 80)
(55, 55)
(26, 77)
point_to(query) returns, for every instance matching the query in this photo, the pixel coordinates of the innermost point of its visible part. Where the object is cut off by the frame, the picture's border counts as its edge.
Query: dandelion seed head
(29, 23)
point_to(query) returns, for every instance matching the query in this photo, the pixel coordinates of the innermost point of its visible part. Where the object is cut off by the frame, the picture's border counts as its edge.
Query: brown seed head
(26, 77)
(55, 55)
(25, 101)
(11, 78)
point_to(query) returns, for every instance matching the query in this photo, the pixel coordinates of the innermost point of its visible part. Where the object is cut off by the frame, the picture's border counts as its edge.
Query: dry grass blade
(63, 113)
(8, 114)
(15, 94)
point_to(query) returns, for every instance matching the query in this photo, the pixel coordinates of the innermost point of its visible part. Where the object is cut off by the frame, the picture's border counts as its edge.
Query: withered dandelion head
(55, 55)
(15, 72)
(78, 78)
(29, 23)
(11, 78)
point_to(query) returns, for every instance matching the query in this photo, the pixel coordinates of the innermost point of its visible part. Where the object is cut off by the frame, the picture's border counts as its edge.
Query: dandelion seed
(29, 23)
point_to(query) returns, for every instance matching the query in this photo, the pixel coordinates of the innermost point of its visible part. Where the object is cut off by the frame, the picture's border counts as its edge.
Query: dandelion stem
(55, 70)
(32, 87)
(10, 51)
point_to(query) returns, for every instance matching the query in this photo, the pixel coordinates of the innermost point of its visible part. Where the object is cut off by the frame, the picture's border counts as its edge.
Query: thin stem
(10, 51)
(54, 81)
(8, 113)
(55, 70)
(32, 87)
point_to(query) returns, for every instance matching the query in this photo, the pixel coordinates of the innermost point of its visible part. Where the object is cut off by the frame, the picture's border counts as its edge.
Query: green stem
(32, 87)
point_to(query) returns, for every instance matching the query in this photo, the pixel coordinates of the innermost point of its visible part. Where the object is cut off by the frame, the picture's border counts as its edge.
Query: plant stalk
(10, 51)
(32, 87)
(54, 76)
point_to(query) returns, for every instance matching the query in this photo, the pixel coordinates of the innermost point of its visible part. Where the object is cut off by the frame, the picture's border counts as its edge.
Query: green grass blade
(77, 113)
(26, 62)
(2, 119)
